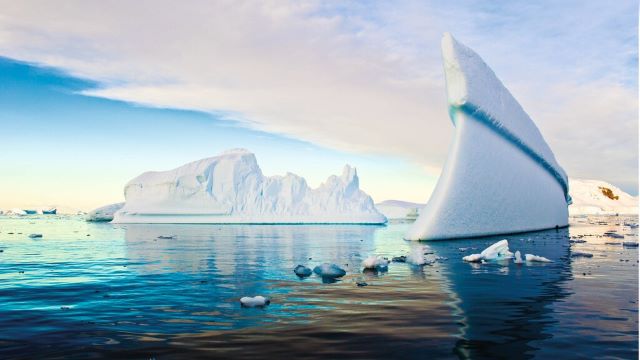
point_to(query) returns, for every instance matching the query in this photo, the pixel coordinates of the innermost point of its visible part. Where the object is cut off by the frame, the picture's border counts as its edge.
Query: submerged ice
(230, 188)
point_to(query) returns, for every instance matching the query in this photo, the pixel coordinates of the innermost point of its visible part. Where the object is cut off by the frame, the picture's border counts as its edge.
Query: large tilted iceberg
(500, 176)
(230, 188)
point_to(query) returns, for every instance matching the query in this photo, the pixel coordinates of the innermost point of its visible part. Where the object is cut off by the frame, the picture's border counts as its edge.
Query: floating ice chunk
(535, 258)
(497, 251)
(375, 262)
(473, 258)
(329, 271)
(518, 258)
(302, 271)
(256, 301)
(33, 236)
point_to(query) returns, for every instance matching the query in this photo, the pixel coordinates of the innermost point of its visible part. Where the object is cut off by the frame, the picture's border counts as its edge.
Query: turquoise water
(91, 290)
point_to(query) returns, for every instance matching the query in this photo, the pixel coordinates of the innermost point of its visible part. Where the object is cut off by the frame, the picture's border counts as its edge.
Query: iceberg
(500, 176)
(230, 188)
(104, 213)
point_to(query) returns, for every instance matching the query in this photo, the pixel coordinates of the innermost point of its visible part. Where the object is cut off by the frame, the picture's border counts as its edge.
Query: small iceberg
(497, 251)
(535, 258)
(375, 262)
(256, 301)
(330, 271)
(302, 271)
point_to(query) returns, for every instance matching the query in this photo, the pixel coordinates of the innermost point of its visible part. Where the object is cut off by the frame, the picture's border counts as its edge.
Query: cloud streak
(353, 76)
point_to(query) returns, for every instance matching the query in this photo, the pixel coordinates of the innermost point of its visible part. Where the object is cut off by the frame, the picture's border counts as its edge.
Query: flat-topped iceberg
(230, 188)
(500, 175)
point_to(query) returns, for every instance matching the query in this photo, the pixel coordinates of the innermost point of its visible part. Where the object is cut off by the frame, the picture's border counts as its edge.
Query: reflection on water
(172, 291)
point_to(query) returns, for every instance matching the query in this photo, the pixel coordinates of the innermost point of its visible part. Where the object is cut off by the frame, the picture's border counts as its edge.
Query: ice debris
(327, 270)
(497, 251)
(256, 301)
(517, 258)
(375, 262)
(536, 258)
(302, 271)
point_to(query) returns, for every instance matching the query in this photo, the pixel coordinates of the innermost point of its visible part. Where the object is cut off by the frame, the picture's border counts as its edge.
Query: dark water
(99, 290)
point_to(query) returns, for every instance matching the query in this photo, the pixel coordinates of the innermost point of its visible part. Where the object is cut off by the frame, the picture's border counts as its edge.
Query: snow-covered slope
(104, 213)
(599, 197)
(230, 188)
(397, 209)
(500, 175)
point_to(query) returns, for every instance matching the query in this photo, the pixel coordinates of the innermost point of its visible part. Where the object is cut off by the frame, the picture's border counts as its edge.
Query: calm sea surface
(94, 290)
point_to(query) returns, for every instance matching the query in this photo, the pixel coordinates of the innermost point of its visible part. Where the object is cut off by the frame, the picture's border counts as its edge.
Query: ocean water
(97, 290)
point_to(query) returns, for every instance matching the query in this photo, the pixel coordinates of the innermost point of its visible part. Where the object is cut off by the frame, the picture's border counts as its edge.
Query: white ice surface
(500, 176)
(230, 188)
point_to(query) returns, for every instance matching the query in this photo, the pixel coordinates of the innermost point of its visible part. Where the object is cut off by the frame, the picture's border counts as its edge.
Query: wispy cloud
(355, 76)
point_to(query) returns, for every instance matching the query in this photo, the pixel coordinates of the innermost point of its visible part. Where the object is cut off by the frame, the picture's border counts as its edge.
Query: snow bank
(104, 213)
(230, 188)
(500, 176)
(596, 197)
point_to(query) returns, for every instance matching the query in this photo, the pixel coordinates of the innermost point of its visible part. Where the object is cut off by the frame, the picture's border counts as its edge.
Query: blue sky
(78, 151)
(94, 93)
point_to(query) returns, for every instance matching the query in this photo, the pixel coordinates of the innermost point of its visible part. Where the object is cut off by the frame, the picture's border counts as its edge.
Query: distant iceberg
(230, 188)
(104, 213)
(500, 176)
(397, 209)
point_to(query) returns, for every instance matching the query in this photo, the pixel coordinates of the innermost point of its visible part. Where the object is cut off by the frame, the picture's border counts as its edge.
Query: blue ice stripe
(486, 119)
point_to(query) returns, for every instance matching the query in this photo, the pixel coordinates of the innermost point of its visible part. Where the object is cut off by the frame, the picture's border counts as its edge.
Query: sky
(92, 93)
